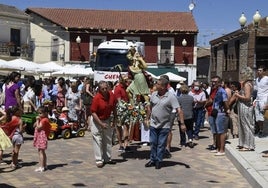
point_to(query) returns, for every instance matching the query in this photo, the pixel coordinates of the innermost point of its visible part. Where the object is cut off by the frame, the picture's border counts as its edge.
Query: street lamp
(256, 21)
(78, 41)
(184, 43)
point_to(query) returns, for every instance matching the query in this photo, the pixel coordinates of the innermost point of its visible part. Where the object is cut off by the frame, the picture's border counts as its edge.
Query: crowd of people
(235, 106)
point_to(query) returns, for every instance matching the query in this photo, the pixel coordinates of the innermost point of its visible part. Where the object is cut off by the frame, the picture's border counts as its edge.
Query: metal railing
(165, 59)
(9, 49)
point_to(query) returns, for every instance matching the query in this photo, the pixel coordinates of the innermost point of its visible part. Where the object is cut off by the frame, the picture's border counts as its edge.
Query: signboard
(107, 76)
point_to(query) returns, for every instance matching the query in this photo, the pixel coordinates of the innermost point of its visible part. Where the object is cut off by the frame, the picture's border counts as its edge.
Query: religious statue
(138, 86)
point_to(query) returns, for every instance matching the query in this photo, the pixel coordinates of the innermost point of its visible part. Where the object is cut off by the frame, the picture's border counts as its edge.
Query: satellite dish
(191, 6)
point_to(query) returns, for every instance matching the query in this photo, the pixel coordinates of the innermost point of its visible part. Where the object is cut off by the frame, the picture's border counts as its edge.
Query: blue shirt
(220, 98)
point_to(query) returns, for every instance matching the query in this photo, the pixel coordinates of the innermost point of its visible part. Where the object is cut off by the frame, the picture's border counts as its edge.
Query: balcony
(9, 49)
(165, 59)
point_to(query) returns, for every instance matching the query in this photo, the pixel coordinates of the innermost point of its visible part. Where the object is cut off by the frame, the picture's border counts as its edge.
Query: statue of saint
(139, 84)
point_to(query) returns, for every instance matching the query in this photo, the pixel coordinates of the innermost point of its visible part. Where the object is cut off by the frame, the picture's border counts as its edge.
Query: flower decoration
(130, 114)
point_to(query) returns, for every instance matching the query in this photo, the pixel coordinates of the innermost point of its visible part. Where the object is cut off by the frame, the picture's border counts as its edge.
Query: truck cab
(112, 53)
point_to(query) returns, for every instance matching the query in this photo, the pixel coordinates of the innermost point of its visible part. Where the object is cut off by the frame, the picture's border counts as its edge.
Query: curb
(245, 168)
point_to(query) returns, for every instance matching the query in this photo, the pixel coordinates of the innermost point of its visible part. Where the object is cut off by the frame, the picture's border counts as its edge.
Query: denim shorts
(221, 123)
(17, 139)
(212, 123)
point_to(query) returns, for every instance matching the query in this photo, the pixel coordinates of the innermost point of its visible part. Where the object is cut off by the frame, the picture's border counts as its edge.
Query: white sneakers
(40, 169)
(220, 154)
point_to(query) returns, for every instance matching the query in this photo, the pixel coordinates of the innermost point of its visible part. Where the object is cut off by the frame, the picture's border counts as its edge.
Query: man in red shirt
(102, 106)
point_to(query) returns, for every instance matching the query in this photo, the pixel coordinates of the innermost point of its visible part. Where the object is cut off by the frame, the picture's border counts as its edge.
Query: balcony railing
(165, 59)
(10, 49)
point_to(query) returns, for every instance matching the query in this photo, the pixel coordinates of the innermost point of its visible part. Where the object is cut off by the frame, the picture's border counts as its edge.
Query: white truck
(112, 53)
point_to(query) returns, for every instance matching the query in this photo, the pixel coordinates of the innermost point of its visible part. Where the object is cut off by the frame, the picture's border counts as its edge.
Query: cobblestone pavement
(71, 164)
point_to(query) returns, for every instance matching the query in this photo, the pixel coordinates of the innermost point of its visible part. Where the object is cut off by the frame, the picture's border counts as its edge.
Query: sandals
(265, 155)
(245, 149)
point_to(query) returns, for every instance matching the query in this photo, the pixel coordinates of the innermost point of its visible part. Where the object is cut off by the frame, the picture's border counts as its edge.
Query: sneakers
(214, 151)
(40, 169)
(265, 155)
(121, 149)
(220, 154)
(168, 154)
(13, 166)
(260, 134)
(2, 162)
(99, 164)
(128, 149)
(191, 144)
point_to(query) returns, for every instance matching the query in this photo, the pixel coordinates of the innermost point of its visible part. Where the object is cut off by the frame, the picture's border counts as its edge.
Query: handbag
(87, 99)
(2, 98)
(265, 115)
(214, 113)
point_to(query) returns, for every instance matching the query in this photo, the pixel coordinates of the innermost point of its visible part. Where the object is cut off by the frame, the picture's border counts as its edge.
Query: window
(214, 59)
(136, 39)
(225, 58)
(94, 43)
(15, 41)
(165, 50)
(54, 48)
(237, 54)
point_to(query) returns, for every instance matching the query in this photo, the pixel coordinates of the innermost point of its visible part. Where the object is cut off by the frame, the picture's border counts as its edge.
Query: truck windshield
(107, 58)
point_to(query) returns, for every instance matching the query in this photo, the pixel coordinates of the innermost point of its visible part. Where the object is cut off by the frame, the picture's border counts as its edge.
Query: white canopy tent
(49, 67)
(74, 71)
(23, 64)
(5, 66)
(174, 77)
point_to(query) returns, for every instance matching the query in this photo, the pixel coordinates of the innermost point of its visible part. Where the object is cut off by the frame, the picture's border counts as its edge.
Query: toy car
(65, 130)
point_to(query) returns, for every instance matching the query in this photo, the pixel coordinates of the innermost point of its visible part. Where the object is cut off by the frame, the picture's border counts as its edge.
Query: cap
(64, 109)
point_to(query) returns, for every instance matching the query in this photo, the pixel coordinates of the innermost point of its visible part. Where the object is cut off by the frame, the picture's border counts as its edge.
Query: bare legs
(42, 158)
(220, 142)
(15, 155)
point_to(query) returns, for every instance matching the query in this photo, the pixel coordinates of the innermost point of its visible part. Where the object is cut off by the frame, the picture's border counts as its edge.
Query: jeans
(198, 118)
(158, 140)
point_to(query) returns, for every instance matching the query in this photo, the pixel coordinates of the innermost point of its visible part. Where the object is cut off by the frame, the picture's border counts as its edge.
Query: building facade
(55, 33)
(14, 33)
(231, 53)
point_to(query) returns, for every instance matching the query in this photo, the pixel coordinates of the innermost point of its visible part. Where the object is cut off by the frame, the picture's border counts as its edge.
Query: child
(4, 139)
(65, 118)
(14, 128)
(64, 115)
(42, 129)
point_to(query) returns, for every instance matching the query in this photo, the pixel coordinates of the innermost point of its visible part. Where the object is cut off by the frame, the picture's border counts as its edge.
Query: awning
(160, 71)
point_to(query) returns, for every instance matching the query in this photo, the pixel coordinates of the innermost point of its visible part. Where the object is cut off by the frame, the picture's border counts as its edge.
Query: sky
(214, 18)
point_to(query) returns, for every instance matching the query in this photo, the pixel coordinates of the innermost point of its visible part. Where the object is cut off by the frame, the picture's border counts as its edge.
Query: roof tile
(122, 20)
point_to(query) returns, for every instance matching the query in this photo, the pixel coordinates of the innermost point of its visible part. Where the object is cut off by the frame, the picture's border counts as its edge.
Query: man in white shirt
(261, 99)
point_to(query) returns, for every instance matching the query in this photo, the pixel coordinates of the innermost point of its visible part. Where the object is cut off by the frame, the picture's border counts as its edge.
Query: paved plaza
(71, 164)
